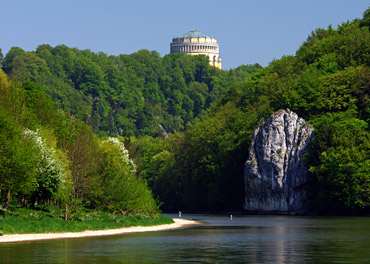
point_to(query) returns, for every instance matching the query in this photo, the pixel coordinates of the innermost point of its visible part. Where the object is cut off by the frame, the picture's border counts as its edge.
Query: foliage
(50, 172)
(210, 115)
(1, 58)
(327, 83)
(341, 150)
(200, 169)
(124, 95)
(122, 191)
(48, 219)
(123, 153)
(47, 155)
(18, 157)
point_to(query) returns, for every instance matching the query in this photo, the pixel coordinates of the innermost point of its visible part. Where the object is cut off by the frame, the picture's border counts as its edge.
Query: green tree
(365, 22)
(29, 67)
(341, 162)
(122, 191)
(19, 158)
(1, 59)
(10, 56)
(50, 171)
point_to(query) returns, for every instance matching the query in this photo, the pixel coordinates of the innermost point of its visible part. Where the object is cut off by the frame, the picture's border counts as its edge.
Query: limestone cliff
(275, 175)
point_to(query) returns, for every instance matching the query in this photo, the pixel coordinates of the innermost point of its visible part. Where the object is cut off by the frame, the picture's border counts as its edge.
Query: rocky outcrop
(162, 132)
(275, 175)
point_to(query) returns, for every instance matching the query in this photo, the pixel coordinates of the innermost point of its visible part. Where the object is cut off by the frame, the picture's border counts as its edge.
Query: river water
(244, 239)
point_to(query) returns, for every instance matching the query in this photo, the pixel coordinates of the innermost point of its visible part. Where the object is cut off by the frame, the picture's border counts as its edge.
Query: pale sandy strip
(179, 223)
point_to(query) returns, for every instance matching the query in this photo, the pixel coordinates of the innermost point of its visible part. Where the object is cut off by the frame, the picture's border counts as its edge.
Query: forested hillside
(52, 89)
(49, 156)
(125, 95)
(327, 83)
(210, 115)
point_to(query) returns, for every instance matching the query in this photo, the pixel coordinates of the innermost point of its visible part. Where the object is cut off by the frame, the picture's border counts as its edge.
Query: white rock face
(275, 175)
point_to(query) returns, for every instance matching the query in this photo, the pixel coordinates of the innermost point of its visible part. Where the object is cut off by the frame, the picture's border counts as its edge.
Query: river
(244, 239)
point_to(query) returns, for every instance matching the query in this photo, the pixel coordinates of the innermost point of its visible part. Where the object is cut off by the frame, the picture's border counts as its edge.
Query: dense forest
(68, 106)
(183, 126)
(125, 95)
(327, 82)
(49, 156)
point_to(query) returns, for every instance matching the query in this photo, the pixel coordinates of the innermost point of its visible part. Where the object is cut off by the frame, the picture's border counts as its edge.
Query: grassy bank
(18, 220)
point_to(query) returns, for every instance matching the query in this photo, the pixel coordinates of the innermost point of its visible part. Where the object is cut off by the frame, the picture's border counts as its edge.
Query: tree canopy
(125, 95)
(326, 82)
(48, 154)
(209, 114)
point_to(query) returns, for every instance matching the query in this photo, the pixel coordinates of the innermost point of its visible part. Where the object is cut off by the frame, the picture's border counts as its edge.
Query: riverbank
(50, 219)
(178, 223)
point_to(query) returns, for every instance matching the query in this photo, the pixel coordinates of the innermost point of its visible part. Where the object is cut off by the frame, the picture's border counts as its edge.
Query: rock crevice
(274, 174)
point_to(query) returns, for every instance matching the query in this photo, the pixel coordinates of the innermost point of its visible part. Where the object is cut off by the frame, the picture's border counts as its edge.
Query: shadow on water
(245, 239)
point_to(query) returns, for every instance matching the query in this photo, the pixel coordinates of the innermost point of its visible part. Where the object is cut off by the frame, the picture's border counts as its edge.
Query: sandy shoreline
(179, 223)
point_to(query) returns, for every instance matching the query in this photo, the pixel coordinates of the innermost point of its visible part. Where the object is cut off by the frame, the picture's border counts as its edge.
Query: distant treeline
(125, 95)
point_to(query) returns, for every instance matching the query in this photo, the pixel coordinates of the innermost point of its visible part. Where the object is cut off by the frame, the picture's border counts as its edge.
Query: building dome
(195, 43)
(194, 34)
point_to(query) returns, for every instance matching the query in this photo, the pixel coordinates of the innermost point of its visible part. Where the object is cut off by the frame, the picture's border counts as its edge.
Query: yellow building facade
(195, 43)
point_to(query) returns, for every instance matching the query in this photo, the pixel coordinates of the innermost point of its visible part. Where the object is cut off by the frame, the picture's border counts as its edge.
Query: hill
(211, 114)
(327, 82)
(125, 95)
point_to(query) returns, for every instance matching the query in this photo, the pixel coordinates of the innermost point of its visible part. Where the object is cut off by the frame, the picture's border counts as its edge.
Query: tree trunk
(33, 201)
(7, 198)
(66, 214)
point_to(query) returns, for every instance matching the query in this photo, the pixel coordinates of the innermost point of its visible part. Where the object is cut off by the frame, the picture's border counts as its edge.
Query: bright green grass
(47, 220)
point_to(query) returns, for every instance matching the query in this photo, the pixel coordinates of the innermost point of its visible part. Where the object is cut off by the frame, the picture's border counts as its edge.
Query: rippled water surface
(245, 239)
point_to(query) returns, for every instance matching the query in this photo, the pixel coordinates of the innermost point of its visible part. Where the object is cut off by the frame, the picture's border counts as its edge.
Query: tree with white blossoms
(121, 191)
(51, 173)
(123, 153)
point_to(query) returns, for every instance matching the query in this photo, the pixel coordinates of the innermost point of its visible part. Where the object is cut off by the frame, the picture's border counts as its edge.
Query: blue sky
(248, 31)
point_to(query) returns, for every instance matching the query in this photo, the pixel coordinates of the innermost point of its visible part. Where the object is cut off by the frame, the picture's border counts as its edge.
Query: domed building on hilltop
(195, 43)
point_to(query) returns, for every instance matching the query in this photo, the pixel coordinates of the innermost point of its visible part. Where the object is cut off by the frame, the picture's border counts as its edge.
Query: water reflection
(245, 239)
